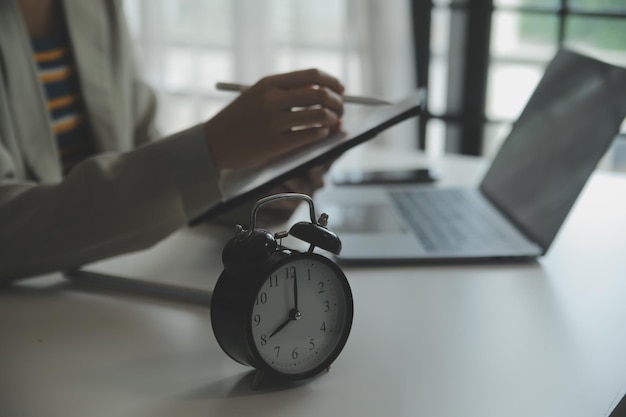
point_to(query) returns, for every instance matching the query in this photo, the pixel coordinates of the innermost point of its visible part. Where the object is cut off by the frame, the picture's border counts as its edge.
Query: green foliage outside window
(607, 33)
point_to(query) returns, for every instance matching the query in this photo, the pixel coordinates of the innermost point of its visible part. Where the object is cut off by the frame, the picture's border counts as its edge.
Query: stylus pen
(368, 101)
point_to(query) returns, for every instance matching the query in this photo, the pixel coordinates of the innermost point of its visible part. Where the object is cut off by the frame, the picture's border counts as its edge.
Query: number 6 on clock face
(301, 316)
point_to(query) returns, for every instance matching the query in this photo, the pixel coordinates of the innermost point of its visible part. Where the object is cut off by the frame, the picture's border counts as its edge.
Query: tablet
(357, 127)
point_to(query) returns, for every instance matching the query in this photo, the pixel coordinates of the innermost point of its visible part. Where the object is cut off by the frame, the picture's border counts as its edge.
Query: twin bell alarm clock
(284, 312)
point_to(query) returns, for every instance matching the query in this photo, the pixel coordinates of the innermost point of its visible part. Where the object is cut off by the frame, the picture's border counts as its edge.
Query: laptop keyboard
(450, 219)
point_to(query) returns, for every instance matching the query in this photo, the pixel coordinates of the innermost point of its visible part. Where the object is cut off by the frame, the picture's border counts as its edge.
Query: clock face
(302, 315)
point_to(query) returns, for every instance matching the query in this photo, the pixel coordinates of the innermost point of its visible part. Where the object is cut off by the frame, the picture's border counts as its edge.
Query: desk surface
(545, 338)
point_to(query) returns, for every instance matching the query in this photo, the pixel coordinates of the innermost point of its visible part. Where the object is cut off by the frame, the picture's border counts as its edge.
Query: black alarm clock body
(284, 312)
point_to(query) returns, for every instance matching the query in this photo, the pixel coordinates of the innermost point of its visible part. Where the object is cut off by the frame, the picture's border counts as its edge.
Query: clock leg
(256, 381)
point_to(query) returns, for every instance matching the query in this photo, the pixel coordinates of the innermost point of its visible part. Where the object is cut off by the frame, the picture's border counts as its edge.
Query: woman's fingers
(310, 96)
(310, 77)
(306, 118)
(275, 116)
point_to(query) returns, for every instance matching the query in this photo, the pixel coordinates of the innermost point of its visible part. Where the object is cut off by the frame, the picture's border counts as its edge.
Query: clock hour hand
(282, 326)
(293, 315)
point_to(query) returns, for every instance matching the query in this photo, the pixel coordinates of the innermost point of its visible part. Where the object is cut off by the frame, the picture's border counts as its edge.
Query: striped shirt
(67, 113)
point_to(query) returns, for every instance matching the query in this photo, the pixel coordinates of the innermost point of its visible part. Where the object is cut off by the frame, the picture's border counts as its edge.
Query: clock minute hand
(295, 295)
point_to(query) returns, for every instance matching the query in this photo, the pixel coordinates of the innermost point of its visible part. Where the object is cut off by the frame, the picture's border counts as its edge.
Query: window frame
(470, 59)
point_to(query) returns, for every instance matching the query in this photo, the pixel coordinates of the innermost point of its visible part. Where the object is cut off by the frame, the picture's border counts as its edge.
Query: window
(479, 59)
(495, 52)
(186, 46)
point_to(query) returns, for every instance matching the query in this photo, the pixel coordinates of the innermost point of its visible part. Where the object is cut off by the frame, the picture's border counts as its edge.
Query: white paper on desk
(357, 127)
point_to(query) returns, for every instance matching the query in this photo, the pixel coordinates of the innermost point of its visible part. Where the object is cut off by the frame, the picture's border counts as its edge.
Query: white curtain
(185, 46)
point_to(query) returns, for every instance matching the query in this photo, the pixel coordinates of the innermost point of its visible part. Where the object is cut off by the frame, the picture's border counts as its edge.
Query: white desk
(537, 339)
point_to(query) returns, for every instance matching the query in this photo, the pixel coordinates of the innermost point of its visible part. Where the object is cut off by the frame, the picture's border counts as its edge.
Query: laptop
(527, 192)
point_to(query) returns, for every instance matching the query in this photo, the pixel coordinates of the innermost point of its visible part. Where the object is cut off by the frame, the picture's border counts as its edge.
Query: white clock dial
(301, 316)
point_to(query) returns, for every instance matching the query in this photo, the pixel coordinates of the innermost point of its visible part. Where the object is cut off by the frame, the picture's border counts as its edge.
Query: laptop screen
(565, 129)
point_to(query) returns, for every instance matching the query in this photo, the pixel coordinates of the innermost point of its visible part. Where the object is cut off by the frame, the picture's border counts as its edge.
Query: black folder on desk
(358, 125)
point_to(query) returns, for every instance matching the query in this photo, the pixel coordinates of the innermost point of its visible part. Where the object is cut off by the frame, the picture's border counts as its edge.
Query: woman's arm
(108, 205)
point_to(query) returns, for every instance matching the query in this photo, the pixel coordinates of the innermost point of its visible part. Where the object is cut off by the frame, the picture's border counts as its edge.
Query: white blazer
(132, 194)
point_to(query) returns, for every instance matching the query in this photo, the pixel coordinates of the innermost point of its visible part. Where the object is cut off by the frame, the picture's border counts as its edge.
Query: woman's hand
(276, 115)
(306, 183)
(278, 211)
